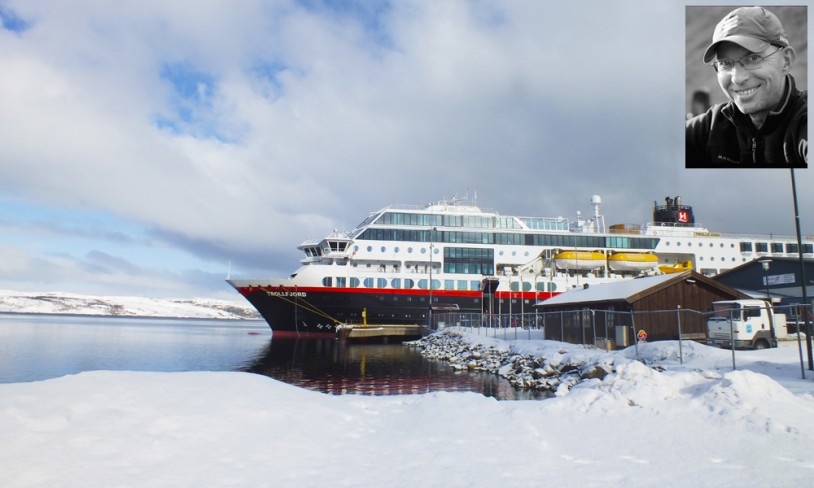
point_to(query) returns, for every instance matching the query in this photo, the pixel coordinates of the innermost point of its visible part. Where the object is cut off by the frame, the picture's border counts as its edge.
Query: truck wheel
(761, 344)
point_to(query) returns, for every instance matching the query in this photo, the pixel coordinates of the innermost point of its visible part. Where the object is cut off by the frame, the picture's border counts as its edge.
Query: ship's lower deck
(319, 310)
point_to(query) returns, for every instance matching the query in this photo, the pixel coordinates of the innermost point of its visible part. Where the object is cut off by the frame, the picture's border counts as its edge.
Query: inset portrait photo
(746, 87)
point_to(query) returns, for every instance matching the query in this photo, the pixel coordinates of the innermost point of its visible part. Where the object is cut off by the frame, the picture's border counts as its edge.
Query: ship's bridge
(332, 247)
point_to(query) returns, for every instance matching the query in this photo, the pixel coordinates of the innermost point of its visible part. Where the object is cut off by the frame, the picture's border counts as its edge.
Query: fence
(600, 327)
(608, 329)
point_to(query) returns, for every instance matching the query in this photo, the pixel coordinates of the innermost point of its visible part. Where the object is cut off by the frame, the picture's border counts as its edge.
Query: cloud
(237, 130)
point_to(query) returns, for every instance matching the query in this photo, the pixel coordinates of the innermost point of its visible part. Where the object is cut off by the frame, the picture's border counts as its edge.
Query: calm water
(38, 347)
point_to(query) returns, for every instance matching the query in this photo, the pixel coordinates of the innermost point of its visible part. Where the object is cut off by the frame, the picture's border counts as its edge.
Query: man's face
(755, 92)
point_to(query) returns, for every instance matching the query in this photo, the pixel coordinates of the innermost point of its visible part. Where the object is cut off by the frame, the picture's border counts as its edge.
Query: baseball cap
(753, 28)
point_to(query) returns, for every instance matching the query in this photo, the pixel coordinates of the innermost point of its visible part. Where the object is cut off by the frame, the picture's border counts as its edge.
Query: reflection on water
(39, 347)
(373, 369)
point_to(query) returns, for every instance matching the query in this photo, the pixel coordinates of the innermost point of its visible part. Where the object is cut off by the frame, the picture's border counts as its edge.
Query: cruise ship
(404, 263)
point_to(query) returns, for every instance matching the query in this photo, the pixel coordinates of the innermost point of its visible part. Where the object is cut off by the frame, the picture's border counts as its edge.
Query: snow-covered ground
(67, 303)
(696, 424)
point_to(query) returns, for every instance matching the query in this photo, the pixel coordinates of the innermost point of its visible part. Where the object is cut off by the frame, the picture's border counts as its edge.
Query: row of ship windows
(423, 250)
(424, 284)
(517, 239)
(776, 247)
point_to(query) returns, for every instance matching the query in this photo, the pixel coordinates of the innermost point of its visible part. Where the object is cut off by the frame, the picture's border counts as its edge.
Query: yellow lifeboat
(632, 261)
(579, 260)
(676, 268)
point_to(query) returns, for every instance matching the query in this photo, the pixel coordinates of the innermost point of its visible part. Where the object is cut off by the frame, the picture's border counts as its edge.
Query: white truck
(749, 324)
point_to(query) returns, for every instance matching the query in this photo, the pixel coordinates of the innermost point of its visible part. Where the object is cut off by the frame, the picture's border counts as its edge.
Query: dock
(386, 332)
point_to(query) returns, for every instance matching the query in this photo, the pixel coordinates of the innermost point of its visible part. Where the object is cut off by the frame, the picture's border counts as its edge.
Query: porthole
(384, 249)
(423, 250)
(369, 248)
(409, 250)
(396, 250)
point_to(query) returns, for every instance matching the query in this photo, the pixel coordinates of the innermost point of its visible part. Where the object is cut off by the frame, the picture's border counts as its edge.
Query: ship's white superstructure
(453, 252)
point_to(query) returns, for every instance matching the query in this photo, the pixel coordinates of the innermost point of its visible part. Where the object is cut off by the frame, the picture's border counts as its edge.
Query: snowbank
(697, 424)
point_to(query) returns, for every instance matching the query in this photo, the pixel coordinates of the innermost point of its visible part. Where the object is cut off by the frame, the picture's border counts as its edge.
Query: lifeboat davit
(579, 260)
(633, 261)
(676, 268)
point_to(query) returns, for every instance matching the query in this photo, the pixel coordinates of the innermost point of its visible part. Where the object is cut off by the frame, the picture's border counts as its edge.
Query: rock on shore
(557, 372)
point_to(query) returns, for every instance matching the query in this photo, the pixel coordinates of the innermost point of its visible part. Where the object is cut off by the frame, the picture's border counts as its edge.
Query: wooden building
(617, 312)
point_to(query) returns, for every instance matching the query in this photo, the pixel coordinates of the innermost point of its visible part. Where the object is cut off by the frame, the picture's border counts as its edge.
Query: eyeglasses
(752, 61)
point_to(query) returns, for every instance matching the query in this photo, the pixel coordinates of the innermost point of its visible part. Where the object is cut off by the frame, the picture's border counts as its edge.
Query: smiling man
(765, 122)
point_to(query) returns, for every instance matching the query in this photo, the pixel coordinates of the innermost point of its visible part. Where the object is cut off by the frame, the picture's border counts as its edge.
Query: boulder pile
(556, 374)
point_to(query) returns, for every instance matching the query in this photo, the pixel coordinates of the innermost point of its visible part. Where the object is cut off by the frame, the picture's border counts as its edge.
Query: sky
(699, 423)
(149, 147)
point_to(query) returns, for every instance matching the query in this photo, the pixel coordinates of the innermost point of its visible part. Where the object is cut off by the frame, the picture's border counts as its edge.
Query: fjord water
(37, 347)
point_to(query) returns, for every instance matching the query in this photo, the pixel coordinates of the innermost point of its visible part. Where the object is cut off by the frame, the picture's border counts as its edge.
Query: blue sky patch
(11, 22)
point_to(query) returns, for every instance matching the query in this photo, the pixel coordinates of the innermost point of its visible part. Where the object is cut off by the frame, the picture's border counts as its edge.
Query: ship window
(761, 247)
(396, 249)
(423, 250)
(526, 286)
(746, 246)
(395, 283)
(474, 285)
(408, 283)
(808, 248)
(423, 284)
(449, 284)
(368, 282)
(381, 283)
(341, 282)
(462, 285)
(369, 248)
(515, 286)
(326, 282)
(354, 282)
(701, 258)
(777, 247)
(384, 249)
(791, 248)
(541, 285)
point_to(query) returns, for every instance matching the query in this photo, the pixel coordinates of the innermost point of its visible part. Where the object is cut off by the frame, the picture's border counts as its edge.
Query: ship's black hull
(314, 311)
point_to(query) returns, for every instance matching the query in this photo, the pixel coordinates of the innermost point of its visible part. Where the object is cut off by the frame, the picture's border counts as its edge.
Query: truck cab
(746, 324)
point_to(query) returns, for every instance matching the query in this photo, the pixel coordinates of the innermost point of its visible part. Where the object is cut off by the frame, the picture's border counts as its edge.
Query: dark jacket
(723, 137)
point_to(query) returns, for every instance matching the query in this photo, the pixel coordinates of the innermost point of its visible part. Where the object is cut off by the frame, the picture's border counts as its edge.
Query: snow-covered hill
(67, 303)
